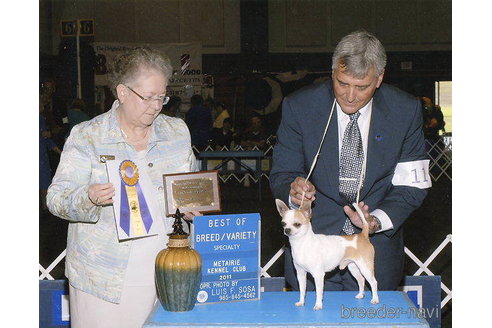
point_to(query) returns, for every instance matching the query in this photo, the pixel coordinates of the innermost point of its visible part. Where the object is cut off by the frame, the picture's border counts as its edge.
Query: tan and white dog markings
(318, 253)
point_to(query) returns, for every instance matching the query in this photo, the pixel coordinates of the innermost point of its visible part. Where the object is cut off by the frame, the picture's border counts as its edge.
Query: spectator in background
(254, 135)
(55, 112)
(210, 104)
(433, 124)
(199, 121)
(433, 119)
(76, 114)
(222, 114)
(55, 115)
(172, 107)
(46, 145)
(223, 137)
(252, 138)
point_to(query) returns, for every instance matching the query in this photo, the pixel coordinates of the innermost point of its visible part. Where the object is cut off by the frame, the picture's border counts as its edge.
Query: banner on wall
(186, 59)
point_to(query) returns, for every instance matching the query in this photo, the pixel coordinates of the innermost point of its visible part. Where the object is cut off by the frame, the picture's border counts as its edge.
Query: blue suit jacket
(395, 136)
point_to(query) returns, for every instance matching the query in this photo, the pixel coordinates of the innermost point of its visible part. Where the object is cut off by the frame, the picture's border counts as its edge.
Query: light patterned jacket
(96, 261)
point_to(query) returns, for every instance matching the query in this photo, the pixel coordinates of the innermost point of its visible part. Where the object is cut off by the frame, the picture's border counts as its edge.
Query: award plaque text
(197, 191)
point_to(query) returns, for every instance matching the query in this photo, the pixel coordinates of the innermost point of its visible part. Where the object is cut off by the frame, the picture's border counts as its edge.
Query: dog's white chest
(319, 253)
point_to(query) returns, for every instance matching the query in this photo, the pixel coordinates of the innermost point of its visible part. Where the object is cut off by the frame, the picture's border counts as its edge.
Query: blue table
(277, 309)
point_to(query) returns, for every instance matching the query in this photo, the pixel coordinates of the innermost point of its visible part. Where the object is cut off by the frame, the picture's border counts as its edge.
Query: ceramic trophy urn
(178, 271)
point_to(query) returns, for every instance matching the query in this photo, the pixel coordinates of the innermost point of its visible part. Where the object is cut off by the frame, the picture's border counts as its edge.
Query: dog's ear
(306, 208)
(281, 207)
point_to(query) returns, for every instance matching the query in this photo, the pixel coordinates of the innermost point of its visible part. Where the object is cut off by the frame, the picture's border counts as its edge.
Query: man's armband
(412, 174)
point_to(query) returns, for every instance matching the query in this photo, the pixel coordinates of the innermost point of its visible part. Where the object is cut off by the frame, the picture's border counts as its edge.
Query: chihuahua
(318, 253)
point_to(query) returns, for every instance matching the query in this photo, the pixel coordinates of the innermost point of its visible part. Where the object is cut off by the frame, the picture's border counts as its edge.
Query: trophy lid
(178, 238)
(178, 225)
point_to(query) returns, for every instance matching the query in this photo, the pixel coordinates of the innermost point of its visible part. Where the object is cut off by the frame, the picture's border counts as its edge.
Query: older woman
(112, 281)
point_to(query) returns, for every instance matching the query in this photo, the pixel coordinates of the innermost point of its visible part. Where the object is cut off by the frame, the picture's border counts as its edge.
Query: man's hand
(297, 187)
(357, 221)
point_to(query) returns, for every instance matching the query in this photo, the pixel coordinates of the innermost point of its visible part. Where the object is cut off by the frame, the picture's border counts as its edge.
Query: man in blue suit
(395, 171)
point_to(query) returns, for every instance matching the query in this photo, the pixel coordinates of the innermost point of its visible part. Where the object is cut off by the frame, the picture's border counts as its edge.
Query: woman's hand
(101, 193)
(190, 215)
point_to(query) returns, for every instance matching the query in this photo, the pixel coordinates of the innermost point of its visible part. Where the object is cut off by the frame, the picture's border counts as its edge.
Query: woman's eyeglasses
(160, 99)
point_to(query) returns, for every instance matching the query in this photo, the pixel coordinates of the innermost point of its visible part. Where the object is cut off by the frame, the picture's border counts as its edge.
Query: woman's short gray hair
(358, 52)
(127, 65)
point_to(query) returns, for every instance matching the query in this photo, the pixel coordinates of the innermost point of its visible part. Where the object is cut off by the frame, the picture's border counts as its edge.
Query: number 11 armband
(412, 174)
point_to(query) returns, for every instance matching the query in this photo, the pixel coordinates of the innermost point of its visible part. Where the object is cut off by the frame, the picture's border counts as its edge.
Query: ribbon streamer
(133, 210)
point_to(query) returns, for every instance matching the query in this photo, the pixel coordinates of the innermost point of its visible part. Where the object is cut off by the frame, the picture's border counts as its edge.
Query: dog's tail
(365, 225)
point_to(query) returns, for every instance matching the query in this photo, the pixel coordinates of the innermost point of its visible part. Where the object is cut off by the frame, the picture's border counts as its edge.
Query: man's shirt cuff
(386, 223)
(292, 205)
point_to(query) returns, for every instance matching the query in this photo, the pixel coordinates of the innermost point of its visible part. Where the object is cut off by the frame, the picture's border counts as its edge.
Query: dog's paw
(359, 295)
(375, 300)
(300, 304)
(318, 307)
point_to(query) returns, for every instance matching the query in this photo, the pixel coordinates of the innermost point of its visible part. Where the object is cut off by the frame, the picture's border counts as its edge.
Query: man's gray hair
(358, 52)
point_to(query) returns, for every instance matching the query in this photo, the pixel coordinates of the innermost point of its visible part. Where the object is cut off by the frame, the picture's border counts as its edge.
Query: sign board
(230, 249)
(186, 59)
(69, 27)
(86, 27)
(425, 293)
(53, 304)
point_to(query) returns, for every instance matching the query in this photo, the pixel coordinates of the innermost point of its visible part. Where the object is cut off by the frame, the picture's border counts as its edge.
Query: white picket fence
(440, 165)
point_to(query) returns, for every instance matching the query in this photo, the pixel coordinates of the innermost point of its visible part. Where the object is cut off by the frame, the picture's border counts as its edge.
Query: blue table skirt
(277, 309)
